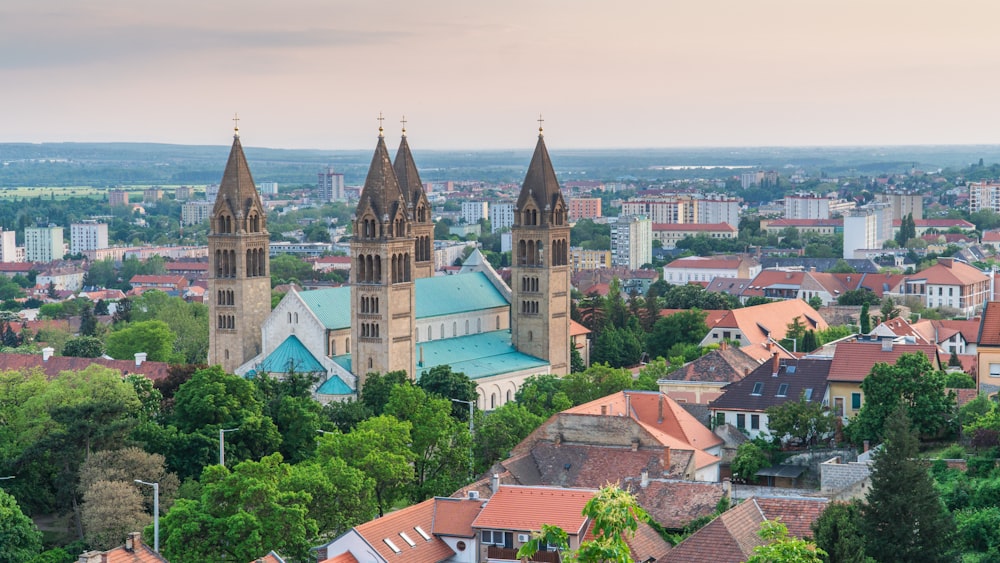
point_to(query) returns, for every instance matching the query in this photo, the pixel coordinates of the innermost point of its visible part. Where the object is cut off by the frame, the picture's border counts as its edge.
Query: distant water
(700, 166)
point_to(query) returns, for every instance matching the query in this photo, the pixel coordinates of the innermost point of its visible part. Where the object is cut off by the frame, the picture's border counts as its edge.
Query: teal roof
(332, 306)
(334, 386)
(436, 296)
(477, 355)
(344, 361)
(291, 356)
(448, 295)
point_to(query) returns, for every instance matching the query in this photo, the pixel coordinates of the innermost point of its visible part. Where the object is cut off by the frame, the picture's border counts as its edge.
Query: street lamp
(472, 429)
(5, 478)
(222, 444)
(156, 514)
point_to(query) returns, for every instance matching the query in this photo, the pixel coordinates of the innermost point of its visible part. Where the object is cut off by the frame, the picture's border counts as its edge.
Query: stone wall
(742, 492)
(835, 475)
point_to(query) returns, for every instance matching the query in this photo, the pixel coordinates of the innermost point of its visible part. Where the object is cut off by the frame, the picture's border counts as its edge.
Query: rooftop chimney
(724, 345)
(495, 483)
(659, 408)
(775, 364)
(139, 358)
(90, 557)
(887, 345)
(47, 353)
(644, 478)
(604, 409)
(133, 541)
(635, 444)
(946, 262)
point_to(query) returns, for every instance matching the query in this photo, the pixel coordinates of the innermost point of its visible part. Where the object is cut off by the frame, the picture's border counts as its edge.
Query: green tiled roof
(332, 306)
(477, 355)
(334, 386)
(436, 296)
(344, 361)
(290, 356)
(447, 295)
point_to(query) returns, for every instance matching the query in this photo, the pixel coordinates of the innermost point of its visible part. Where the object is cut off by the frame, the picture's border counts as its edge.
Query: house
(669, 234)
(817, 226)
(67, 276)
(988, 350)
(332, 263)
(854, 360)
(134, 551)
(762, 323)
(271, 557)
(744, 403)
(701, 381)
(172, 284)
(731, 537)
(949, 283)
(579, 336)
(53, 365)
(707, 268)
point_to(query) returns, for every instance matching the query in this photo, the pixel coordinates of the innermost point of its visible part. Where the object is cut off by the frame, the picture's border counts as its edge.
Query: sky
(471, 74)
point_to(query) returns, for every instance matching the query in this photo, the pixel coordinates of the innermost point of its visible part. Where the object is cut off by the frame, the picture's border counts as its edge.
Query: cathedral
(395, 314)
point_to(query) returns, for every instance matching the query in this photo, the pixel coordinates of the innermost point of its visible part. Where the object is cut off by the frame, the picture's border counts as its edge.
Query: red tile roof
(673, 504)
(760, 322)
(405, 521)
(345, 557)
(527, 508)
(694, 227)
(712, 316)
(271, 557)
(853, 361)
(577, 329)
(989, 326)
(703, 262)
(797, 515)
(730, 538)
(140, 279)
(454, 516)
(139, 552)
(57, 364)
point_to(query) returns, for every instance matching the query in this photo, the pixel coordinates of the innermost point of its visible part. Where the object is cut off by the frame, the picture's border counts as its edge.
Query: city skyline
(316, 74)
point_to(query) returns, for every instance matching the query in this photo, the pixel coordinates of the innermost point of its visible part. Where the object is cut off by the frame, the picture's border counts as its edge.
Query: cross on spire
(540, 120)
(403, 121)
(236, 124)
(380, 120)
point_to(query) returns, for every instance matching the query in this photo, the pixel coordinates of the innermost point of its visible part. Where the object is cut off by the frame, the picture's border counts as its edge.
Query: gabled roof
(950, 272)
(923, 334)
(770, 320)
(381, 192)
(271, 557)
(853, 361)
(706, 262)
(527, 508)
(454, 516)
(797, 514)
(759, 390)
(346, 557)
(540, 183)
(237, 192)
(727, 364)
(134, 551)
(406, 521)
(989, 326)
(673, 504)
(732, 286)
(57, 364)
(291, 356)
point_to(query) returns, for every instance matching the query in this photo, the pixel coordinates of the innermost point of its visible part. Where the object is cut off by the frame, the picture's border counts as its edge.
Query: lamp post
(222, 444)
(472, 429)
(156, 514)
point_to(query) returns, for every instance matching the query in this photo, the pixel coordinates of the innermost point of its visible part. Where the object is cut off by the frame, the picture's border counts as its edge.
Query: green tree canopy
(20, 539)
(782, 548)
(152, 337)
(442, 382)
(684, 327)
(542, 395)
(500, 430)
(804, 421)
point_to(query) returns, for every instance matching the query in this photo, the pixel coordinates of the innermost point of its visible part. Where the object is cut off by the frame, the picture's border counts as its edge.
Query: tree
(842, 267)
(88, 322)
(815, 302)
(865, 320)
(839, 532)
(794, 331)
(780, 548)
(687, 327)
(83, 347)
(599, 380)
(341, 496)
(377, 387)
(802, 420)
(904, 518)
(911, 381)
(750, 459)
(110, 510)
(152, 337)
(615, 516)
(442, 382)
(499, 431)
(20, 540)
(809, 341)
(855, 297)
(542, 395)
(889, 310)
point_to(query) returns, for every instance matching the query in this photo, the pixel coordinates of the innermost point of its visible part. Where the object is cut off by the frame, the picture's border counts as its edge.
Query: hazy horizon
(648, 74)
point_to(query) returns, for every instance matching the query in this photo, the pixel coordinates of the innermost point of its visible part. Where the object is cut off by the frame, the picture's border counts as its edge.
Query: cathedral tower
(239, 282)
(418, 209)
(383, 311)
(540, 270)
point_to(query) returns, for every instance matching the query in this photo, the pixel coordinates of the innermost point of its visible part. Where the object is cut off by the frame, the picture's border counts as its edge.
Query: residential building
(300, 248)
(863, 229)
(584, 208)
(87, 235)
(172, 284)
(669, 211)
(589, 259)
(267, 188)
(330, 185)
(744, 403)
(949, 283)
(707, 268)
(818, 226)
(183, 193)
(762, 324)
(716, 208)
(922, 226)
(501, 216)
(52, 366)
(632, 241)
(988, 351)
(903, 204)
(475, 211)
(669, 234)
(751, 179)
(853, 361)
(152, 195)
(64, 277)
(983, 195)
(701, 381)
(196, 212)
(8, 247)
(117, 197)
(134, 551)
(44, 244)
(807, 206)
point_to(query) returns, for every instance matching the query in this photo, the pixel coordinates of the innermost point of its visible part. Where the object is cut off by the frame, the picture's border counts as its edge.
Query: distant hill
(108, 164)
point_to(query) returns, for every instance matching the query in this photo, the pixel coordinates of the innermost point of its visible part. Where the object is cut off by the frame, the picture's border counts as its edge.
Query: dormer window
(783, 390)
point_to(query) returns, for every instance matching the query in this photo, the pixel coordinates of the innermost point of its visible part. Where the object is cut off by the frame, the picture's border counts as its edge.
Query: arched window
(429, 335)
(371, 363)
(466, 326)
(493, 400)
(442, 330)
(454, 328)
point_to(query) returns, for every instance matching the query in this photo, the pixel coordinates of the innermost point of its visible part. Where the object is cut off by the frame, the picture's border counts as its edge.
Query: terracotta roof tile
(989, 326)
(453, 516)
(138, 553)
(853, 361)
(797, 515)
(700, 262)
(730, 538)
(345, 557)
(646, 544)
(405, 521)
(721, 365)
(527, 508)
(673, 504)
(955, 274)
(271, 557)
(760, 322)
(57, 364)
(712, 316)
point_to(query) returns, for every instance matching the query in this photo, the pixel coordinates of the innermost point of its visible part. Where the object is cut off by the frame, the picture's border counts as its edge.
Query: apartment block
(475, 211)
(330, 185)
(632, 241)
(87, 235)
(44, 244)
(584, 208)
(501, 216)
(117, 197)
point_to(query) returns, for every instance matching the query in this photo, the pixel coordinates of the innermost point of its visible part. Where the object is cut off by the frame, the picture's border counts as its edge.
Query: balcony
(497, 554)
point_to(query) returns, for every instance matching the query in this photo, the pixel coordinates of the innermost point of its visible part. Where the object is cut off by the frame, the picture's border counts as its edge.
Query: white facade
(89, 235)
(43, 244)
(862, 228)
(196, 212)
(632, 241)
(714, 211)
(501, 216)
(8, 247)
(330, 186)
(807, 207)
(267, 188)
(475, 211)
(665, 211)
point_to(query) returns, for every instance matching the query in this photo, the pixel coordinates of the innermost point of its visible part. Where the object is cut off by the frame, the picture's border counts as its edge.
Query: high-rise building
(183, 193)
(584, 208)
(714, 209)
(474, 211)
(239, 277)
(152, 195)
(662, 210)
(806, 206)
(632, 241)
(268, 188)
(501, 216)
(8, 247)
(87, 235)
(196, 212)
(540, 268)
(330, 185)
(117, 197)
(862, 228)
(43, 244)
(903, 204)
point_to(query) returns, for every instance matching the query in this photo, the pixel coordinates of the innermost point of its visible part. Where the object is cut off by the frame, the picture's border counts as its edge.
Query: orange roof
(271, 557)
(392, 526)
(692, 227)
(991, 236)
(760, 322)
(950, 272)
(577, 329)
(853, 361)
(158, 279)
(989, 326)
(731, 537)
(527, 508)
(57, 364)
(454, 516)
(707, 262)
(139, 552)
(345, 557)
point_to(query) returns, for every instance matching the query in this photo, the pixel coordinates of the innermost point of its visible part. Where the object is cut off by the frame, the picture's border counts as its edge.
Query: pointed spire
(236, 190)
(406, 173)
(540, 183)
(381, 190)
